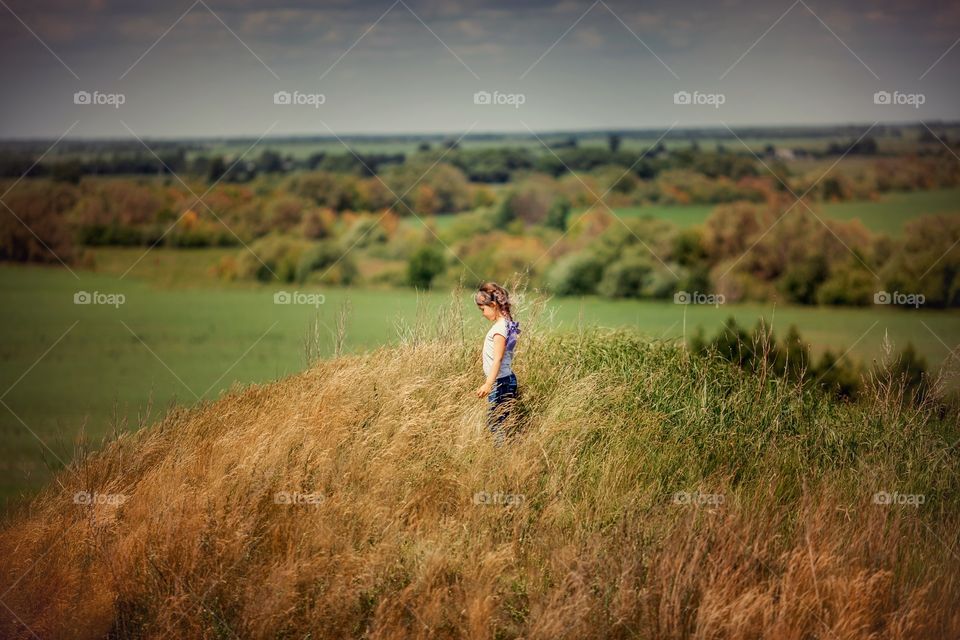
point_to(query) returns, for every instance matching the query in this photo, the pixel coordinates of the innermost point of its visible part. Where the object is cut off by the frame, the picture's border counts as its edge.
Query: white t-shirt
(499, 327)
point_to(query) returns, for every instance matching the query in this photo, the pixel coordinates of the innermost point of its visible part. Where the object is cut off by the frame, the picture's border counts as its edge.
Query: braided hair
(491, 293)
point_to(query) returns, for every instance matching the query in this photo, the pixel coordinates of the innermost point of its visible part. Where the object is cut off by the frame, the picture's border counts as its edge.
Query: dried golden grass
(610, 427)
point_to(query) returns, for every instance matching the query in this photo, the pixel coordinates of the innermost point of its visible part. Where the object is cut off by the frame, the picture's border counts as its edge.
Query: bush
(338, 192)
(848, 285)
(329, 256)
(790, 358)
(365, 232)
(34, 223)
(628, 277)
(576, 274)
(531, 201)
(272, 257)
(801, 281)
(286, 213)
(425, 264)
(558, 213)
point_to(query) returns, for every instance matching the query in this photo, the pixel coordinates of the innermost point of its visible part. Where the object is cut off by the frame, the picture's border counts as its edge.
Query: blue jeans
(504, 390)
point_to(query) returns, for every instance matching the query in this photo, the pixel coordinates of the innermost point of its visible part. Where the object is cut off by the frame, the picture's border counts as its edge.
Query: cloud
(643, 19)
(470, 28)
(589, 37)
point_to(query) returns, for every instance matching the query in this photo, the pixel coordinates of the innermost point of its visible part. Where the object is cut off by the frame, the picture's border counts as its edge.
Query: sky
(212, 68)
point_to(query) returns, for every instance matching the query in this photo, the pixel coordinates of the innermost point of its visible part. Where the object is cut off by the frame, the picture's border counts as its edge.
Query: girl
(501, 384)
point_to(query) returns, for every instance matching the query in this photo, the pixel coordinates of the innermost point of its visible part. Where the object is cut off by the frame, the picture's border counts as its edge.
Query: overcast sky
(212, 68)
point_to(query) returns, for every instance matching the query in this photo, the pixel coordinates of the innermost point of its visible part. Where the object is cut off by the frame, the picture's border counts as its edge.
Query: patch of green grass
(891, 211)
(163, 267)
(683, 216)
(887, 214)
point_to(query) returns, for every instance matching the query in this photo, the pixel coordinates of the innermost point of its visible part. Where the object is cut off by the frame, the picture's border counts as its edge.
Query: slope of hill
(648, 493)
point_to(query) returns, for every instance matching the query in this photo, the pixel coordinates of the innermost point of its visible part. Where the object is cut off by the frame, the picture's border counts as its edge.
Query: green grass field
(893, 210)
(683, 216)
(887, 214)
(69, 368)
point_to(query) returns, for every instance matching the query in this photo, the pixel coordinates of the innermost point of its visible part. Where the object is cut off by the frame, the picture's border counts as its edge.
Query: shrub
(848, 285)
(790, 358)
(286, 213)
(576, 274)
(272, 257)
(34, 224)
(628, 277)
(330, 257)
(558, 213)
(801, 280)
(336, 191)
(425, 264)
(363, 233)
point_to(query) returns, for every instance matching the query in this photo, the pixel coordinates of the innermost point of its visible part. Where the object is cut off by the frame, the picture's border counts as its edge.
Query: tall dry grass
(647, 493)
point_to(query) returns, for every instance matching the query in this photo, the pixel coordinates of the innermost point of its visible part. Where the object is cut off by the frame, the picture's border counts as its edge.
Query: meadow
(889, 212)
(885, 214)
(645, 492)
(181, 336)
(198, 313)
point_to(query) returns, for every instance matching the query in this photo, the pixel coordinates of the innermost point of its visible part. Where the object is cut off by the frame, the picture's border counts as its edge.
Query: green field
(891, 211)
(683, 216)
(887, 214)
(69, 368)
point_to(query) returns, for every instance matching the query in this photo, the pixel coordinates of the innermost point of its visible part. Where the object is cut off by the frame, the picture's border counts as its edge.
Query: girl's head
(493, 301)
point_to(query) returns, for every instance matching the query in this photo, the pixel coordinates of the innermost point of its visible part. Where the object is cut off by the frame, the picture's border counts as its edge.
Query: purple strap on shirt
(513, 330)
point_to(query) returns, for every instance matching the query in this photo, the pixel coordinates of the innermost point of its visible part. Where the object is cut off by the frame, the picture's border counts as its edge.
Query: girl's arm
(499, 348)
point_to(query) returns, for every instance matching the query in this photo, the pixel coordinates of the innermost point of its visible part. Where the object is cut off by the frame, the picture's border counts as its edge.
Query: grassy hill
(646, 492)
